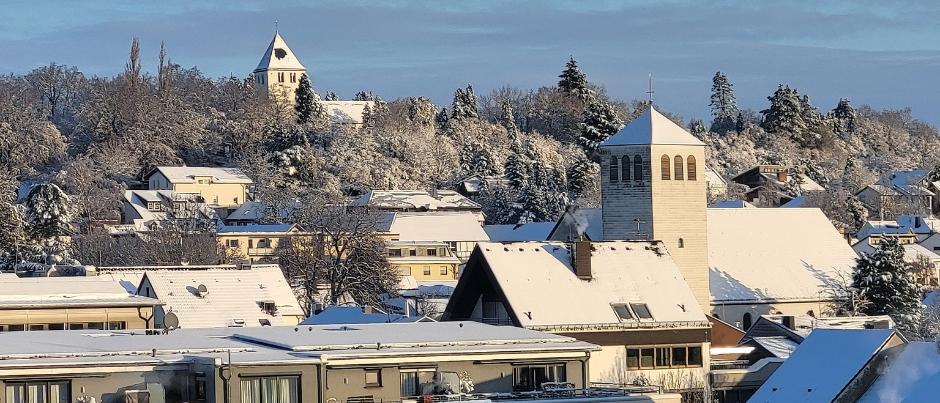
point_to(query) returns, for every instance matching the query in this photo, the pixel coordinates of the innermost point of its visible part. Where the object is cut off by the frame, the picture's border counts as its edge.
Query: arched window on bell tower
(664, 163)
(614, 169)
(625, 168)
(693, 170)
(678, 171)
(637, 168)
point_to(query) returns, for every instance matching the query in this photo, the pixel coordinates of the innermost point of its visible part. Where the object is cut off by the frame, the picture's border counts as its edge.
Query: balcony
(260, 251)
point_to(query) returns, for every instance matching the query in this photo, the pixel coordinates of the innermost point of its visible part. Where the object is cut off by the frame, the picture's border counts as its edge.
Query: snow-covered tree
(364, 96)
(600, 122)
(464, 105)
(442, 120)
(330, 96)
(883, 278)
(11, 222)
(785, 114)
(723, 105)
(844, 117)
(48, 212)
(697, 129)
(573, 81)
(581, 176)
(307, 105)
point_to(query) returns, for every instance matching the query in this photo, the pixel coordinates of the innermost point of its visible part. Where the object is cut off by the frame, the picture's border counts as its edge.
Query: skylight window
(641, 311)
(623, 311)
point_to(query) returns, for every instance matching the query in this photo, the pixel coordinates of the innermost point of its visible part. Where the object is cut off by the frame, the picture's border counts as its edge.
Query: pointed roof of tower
(279, 56)
(652, 128)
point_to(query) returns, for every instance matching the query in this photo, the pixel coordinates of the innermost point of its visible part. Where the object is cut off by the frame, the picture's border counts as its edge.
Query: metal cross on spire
(275, 26)
(650, 91)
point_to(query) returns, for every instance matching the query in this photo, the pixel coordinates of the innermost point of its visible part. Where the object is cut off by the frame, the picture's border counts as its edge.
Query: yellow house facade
(71, 303)
(223, 187)
(425, 261)
(257, 243)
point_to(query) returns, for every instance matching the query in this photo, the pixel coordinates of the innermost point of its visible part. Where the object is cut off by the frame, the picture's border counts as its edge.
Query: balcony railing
(260, 251)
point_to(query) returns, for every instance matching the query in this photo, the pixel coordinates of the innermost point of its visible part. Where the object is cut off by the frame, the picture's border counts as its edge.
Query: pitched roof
(186, 174)
(439, 226)
(533, 231)
(415, 200)
(912, 251)
(652, 128)
(233, 294)
(767, 254)
(256, 228)
(913, 375)
(622, 272)
(823, 365)
(346, 111)
(49, 292)
(353, 315)
(577, 221)
(278, 56)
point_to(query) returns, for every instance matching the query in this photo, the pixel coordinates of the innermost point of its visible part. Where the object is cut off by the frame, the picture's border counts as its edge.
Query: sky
(882, 53)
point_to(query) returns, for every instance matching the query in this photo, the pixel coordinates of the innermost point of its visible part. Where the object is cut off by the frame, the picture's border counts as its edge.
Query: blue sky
(883, 53)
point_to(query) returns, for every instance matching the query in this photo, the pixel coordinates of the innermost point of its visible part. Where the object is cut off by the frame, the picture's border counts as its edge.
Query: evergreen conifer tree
(580, 176)
(464, 105)
(600, 122)
(573, 81)
(723, 105)
(330, 96)
(48, 212)
(304, 101)
(11, 222)
(442, 120)
(785, 114)
(882, 278)
(844, 116)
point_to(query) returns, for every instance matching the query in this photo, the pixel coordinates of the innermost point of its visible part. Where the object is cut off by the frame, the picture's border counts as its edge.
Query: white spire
(279, 56)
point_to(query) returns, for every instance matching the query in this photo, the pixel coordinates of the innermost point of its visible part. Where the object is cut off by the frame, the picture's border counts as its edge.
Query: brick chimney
(581, 259)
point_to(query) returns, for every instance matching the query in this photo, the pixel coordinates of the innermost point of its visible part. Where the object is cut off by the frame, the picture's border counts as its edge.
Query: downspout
(584, 370)
(225, 373)
(319, 383)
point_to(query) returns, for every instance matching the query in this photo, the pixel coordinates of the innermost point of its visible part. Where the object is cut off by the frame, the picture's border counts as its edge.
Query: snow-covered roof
(913, 375)
(774, 254)
(257, 229)
(415, 200)
(354, 315)
(779, 346)
(909, 182)
(803, 325)
(233, 294)
(713, 179)
(439, 226)
(732, 204)
(348, 112)
(912, 251)
(622, 272)
(278, 56)
(533, 231)
(652, 128)
(189, 174)
(577, 221)
(51, 292)
(823, 365)
(796, 202)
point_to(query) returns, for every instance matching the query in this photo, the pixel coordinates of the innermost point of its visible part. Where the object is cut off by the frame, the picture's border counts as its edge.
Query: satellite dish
(171, 321)
(202, 290)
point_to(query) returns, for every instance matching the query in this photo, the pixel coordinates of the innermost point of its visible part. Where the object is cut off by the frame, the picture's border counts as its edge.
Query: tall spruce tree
(785, 114)
(442, 120)
(304, 101)
(844, 117)
(883, 279)
(573, 81)
(48, 212)
(723, 105)
(464, 105)
(12, 237)
(600, 122)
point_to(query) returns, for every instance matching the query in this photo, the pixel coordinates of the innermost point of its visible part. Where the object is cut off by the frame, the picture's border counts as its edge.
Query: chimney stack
(581, 259)
(789, 321)
(782, 174)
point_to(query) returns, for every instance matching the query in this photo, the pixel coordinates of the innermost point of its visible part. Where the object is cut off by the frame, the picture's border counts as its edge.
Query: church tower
(653, 188)
(278, 73)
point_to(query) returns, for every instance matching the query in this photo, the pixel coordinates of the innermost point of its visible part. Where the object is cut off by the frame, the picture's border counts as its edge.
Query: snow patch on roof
(188, 174)
(443, 227)
(652, 128)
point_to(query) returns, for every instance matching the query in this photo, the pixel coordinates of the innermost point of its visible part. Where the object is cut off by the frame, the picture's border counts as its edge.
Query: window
(76, 326)
(623, 312)
(681, 243)
(33, 328)
(394, 252)
(664, 166)
(414, 381)
(117, 325)
(270, 389)
(280, 77)
(427, 270)
(637, 168)
(57, 326)
(373, 377)
(678, 170)
(633, 358)
(38, 392)
(412, 252)
(641, 311)
(199, 387)
(625, 168)
(404, 271)
(444, 270)
(526, 378)
(678, 356)
(293, 77)
(663, 357)
(746, 321)
(432, 252)
(16, 328)
(232, 243)
(95, 325)
(614, 169)
(690, 166)
(646, 358)
(695, 356)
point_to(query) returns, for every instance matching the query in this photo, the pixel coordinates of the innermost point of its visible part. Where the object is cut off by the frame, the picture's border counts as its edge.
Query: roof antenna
(650, 91)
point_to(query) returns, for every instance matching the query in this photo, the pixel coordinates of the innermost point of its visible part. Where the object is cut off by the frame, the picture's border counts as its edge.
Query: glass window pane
(695, 356)
(663, 357)
(16, 393)
(646, 358)
(642, 311)
(678, 356)
(409, 384)
(633, 358)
